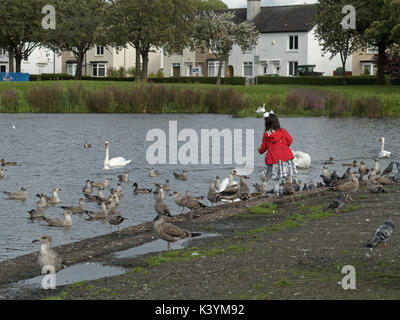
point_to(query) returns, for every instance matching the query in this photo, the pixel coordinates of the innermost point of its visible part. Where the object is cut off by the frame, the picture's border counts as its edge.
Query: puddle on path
(159, 245)
(76, 273)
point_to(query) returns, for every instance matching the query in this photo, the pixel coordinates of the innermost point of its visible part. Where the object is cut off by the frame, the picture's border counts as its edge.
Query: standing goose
(383, 153)
(169, 232)
(9, 164)
(20, 195)
(60, 222)
(114, 163)
(181, 176)
(47, 256)
(80, 208)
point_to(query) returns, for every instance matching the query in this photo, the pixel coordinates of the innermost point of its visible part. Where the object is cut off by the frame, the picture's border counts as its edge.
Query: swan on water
(383, 153)
(114, 163)
(302, 160)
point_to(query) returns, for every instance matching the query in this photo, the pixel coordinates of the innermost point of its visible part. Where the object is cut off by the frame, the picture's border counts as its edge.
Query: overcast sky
(264, 3)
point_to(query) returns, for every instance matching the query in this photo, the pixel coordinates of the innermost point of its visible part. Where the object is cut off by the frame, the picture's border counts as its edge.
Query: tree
(219, 33)
(78, 28)
(375, 25)
(20, 28)
(334, 39)
(151, 24)
(206, 5)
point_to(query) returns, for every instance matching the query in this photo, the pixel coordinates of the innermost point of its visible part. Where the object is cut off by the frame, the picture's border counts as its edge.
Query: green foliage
(205, 5)
(328, 81)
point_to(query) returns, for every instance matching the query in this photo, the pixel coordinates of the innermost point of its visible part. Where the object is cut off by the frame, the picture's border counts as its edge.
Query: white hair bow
(267, 114)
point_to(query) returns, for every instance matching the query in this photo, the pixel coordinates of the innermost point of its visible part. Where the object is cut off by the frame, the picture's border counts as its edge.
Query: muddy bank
(284, 251)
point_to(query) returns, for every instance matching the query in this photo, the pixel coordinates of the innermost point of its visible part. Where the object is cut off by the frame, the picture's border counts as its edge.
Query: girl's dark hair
(272, 122)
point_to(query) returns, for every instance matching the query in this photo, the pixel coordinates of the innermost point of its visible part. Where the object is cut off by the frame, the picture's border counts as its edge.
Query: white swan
(302, 160)
(227, 182)
(383, 153)
(114, 163)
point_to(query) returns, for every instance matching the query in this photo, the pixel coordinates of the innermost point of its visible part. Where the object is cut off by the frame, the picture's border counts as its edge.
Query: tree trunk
(79, 58)
(380, 77)
(11, 60)
(219, 73)
(145, 57)
(18, 60)
(138, 71)
(344, 72)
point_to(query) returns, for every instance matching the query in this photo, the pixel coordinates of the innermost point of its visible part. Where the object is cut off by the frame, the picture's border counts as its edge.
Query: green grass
(265, 208)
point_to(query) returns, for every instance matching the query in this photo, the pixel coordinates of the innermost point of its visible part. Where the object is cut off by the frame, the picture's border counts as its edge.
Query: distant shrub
(336, 104)
(9, 100)
(367, 106)
(101, 101)
(293, 101)
(46, 98)
(314, 104)
(274, 102)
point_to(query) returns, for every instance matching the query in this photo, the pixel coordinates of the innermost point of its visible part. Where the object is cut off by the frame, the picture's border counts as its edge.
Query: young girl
(279, 159)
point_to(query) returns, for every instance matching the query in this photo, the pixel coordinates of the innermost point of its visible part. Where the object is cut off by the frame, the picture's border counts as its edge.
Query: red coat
(277, 145)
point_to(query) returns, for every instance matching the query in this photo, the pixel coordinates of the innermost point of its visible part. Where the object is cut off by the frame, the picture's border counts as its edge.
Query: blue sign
(195, 70)
(14, 76)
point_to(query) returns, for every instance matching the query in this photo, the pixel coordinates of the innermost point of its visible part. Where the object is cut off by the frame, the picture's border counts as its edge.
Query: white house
(287, 39)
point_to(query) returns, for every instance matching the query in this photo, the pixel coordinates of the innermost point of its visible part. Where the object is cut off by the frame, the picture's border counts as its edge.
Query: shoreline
(285, 251)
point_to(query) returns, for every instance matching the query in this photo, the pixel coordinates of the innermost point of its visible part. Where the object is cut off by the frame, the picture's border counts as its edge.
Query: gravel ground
(282, 251)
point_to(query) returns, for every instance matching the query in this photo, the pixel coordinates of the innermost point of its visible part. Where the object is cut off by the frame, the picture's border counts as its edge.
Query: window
(71, 69)
(369, 69)
(248, 69)
(293, 42)
(99, 70)
(293, 68)
(3, 68)
(100, 51)
(2, 52)
(213, 69)
(372, 49)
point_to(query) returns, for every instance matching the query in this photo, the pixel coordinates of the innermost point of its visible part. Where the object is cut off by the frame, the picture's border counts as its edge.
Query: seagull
(153, 173)
(212, 195)
(101, 184)
(375, 187)
(114, 218)
(192, 203)
(80, 208)
(160, 206)
(179, 200)
(124, 178)
(168, 231)
(337, 204)
(363, 169)
(20, 195)
(47, 256)
(87, 145)
(382, 234)
(60, 222)
(88, 189)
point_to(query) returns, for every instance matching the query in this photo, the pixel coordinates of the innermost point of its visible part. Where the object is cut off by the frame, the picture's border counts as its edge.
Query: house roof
(294, 18)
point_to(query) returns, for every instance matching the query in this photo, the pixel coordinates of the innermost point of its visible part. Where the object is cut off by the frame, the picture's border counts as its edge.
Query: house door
(176, 70)
(3, 68)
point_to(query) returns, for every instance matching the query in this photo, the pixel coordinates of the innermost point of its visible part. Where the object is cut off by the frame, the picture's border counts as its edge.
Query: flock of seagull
(227, 190)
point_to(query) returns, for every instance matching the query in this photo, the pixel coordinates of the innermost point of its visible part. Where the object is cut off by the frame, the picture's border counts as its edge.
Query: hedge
(210, 80)
(64, 76)
(329, 81)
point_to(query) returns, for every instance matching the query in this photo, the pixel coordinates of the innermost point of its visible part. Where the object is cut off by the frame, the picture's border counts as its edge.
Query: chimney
(253, 9)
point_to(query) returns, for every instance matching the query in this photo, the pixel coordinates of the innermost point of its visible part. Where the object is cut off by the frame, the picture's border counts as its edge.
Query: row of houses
(287, 39)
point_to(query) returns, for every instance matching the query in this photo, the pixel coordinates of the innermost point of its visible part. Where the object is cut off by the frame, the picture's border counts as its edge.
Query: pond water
(49, 148)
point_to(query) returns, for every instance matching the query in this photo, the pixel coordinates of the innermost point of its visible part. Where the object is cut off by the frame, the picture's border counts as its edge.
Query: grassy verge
(241, 101)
